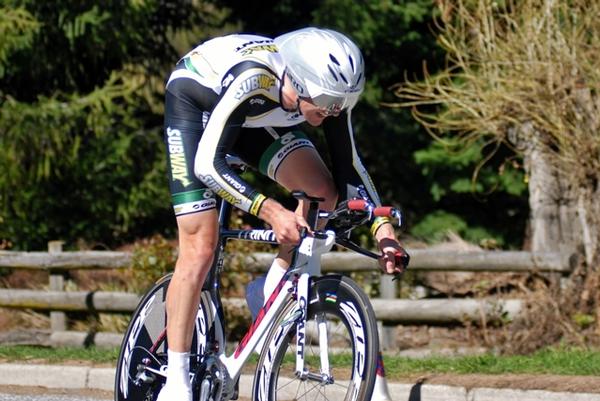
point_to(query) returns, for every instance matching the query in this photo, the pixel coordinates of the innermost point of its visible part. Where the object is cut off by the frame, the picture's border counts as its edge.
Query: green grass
(560, 361)
(58, 355)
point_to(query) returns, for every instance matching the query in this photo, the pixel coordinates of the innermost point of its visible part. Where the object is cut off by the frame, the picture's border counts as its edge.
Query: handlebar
(377, 211)
(347, 208)
(362, 208)
(355, 212)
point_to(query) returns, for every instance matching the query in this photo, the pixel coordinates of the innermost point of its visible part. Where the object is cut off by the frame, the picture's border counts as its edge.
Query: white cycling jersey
(245, 74)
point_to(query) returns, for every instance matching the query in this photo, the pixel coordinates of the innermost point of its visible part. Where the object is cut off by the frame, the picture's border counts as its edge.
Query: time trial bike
(317, 334)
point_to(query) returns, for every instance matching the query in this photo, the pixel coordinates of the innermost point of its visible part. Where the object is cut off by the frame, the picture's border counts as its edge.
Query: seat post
(224, 214)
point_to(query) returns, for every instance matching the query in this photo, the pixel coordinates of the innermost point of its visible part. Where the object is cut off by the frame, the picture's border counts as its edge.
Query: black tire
(344, 306)
(147, 330)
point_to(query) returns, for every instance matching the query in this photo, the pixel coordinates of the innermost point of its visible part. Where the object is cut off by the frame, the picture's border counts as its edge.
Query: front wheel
(341, 332)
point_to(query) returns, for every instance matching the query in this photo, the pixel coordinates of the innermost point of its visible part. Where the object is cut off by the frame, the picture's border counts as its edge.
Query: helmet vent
(332, 58)
(332, 73)
(326, 65)
(359, 78)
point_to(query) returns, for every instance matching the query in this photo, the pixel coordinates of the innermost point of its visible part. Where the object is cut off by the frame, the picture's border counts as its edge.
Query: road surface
(21, 393)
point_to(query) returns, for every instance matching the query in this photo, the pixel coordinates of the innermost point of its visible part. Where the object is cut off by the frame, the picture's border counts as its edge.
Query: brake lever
(401, 259)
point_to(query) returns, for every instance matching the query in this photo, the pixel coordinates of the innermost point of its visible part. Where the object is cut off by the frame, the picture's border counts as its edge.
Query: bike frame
(306, 263)
(293, 294)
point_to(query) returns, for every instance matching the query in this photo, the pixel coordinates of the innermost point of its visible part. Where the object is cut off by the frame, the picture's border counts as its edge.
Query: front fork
(302, 296)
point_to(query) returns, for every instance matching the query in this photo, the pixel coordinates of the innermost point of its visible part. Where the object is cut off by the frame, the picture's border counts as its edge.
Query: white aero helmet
(323, 65)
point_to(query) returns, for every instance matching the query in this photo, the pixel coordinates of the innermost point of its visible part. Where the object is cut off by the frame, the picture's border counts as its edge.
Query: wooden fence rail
(388, 310)
(421, 259)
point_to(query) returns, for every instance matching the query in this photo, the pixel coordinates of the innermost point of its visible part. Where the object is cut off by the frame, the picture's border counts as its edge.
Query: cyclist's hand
(394, 259)
(288, 227)
(286, 224)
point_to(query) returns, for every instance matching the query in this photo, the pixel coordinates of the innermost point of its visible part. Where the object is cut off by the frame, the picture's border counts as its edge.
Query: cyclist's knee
(194, 259)
(201, 240)
(199, 249)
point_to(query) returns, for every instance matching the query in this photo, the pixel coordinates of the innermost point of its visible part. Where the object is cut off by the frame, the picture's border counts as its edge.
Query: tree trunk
(588, 212)
(564, 210)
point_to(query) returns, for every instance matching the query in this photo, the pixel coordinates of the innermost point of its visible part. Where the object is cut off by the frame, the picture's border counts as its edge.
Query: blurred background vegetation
(81, 92)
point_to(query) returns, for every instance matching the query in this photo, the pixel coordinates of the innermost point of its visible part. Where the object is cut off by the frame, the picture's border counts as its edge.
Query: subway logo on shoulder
(255, 82)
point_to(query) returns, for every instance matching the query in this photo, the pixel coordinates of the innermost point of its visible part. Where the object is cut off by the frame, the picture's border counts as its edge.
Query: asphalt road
(31, 382)
(21, 397)
(30, 393)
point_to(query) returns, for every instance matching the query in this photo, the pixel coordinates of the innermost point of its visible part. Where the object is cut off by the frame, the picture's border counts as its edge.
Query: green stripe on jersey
(192, 196)
(267, 156)
(190, 66)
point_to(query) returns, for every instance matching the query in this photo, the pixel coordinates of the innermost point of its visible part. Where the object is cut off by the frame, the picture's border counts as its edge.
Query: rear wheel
(341, 325)
(143, 357)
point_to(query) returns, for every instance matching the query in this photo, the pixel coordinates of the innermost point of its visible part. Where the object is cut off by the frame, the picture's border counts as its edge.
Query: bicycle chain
(221, 385)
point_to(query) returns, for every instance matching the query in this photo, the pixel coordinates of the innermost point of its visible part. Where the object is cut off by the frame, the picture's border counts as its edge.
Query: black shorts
(187, 110)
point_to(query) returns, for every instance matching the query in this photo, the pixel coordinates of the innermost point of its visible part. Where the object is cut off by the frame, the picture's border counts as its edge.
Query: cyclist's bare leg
(197, 242)
(304, 169)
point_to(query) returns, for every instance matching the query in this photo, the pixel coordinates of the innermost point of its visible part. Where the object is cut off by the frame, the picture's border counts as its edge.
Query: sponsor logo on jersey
(193, 201)
(264, 48)
(255, 82)
(210, 182)
(234, 183)
(294, 145)
(362, 192)
(289, 143)
(193, 207)
(227, 80)
(255, 42)
(179, 170)
(257, 101)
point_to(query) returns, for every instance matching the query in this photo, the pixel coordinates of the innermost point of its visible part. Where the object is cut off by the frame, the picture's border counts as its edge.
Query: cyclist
(247, 95)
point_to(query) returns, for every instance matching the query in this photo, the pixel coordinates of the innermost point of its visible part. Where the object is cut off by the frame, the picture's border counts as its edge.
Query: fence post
(58, 320)
(387, 334)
